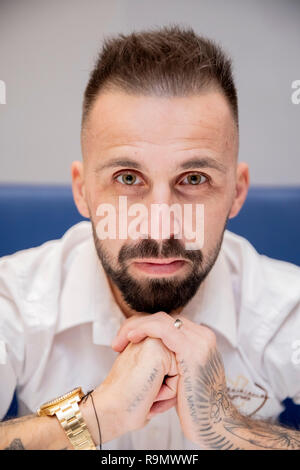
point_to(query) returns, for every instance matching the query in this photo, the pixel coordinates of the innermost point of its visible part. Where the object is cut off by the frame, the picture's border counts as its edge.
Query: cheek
(111, 248)
(98, 191)
(215, 216)
(99, 202)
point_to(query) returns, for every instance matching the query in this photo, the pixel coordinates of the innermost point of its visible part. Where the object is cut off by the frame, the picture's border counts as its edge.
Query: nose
(164, 214)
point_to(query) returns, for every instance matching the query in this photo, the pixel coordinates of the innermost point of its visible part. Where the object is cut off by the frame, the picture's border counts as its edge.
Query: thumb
(168, 389)
(161, 406)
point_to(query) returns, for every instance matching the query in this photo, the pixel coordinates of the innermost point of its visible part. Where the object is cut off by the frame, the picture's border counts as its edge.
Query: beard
(157, 294)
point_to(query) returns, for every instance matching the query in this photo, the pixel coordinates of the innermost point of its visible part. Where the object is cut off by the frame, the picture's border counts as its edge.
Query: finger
(172, 383)
(161, 325)
(161, 406)
(129, 323)
(168, 389)
(173, 338)
(121, 341)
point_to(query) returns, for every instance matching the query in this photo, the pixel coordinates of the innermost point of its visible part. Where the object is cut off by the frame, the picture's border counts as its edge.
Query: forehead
(118, 119)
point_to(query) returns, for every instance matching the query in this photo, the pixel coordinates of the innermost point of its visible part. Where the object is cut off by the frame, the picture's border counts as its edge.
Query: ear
(78, 188)
(241, 188)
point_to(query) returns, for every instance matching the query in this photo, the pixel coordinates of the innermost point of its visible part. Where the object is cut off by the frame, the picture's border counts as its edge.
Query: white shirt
(58, 318)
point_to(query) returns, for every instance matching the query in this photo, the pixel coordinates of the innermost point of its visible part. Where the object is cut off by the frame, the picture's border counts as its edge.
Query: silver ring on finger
(178, 323)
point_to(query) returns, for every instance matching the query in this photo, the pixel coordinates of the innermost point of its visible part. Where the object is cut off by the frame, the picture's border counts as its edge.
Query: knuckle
(160, 315)
(156, 347)
(171, 329)
(132, 319)
(152, 342)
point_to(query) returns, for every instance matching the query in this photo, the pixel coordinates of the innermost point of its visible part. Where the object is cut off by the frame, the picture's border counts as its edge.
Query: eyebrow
(119, 162)
(206, 162)
(196, 162)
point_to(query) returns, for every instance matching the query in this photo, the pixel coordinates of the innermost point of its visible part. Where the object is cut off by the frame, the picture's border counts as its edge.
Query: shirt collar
(87, 297)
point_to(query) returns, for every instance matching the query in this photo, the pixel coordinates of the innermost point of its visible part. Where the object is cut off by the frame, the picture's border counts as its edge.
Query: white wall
(47, 49)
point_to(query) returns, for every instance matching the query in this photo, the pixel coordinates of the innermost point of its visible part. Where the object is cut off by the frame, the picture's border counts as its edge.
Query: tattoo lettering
(141, 396)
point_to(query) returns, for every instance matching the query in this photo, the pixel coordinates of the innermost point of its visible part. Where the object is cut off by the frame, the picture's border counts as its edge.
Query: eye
(128, 179)
(194, 179)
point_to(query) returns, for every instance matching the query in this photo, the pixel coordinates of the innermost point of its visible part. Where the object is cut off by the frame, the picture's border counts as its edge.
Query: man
(184, 347)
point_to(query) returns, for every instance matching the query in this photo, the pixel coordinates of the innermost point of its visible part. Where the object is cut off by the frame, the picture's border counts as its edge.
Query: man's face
(154, 150)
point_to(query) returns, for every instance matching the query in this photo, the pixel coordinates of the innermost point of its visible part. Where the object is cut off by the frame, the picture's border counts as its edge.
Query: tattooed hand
(135, 388)
(207, 416)
(202, 395)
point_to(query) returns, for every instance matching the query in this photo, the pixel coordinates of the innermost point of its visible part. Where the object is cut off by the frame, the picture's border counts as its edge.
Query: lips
(159, 267)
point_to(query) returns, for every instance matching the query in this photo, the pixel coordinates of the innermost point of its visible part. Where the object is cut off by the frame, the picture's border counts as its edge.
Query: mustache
(149, 248)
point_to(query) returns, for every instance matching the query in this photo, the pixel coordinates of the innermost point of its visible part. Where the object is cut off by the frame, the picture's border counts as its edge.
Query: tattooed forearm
(218, 424)
(207, 401)
(32, 433)
(16, 444)
(264, 435)
(12, 421)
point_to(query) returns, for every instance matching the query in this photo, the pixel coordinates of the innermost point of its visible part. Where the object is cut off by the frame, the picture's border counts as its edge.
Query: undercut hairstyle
(169, 61)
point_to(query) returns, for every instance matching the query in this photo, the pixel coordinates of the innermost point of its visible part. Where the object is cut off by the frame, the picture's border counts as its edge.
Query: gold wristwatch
(68, 413)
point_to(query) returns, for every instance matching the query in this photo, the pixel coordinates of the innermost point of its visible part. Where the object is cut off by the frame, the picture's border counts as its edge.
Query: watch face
(57, 400)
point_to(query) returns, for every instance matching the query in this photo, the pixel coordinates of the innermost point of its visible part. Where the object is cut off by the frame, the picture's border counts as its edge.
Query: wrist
(106, 418)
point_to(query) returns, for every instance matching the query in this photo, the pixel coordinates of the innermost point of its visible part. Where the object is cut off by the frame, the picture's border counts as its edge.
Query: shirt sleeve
(282, 358)
(11, 337)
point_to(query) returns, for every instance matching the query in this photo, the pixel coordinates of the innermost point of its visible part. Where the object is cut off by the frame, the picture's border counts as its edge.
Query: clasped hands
(161, 366)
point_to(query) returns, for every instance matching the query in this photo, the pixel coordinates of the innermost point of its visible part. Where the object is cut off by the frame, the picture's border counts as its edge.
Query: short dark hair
(168, 61)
